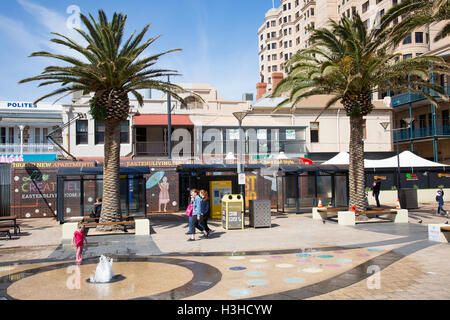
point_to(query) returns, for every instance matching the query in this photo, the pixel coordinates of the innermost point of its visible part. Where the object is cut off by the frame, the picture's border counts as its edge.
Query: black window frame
(81, 134)
(416, 38)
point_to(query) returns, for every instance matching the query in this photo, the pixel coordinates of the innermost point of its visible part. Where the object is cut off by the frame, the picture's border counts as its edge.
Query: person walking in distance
(205, 210)
(197, 215)
(376, 187)
(189, 211)
(440, 202)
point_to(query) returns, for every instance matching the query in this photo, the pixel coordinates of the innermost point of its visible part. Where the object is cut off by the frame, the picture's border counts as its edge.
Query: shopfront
(24, 128)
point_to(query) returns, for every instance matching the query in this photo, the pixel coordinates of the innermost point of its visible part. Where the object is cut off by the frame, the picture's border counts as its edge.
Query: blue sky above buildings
(218, 38)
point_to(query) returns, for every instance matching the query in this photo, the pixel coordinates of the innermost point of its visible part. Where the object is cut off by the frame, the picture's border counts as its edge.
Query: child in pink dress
(79, 238)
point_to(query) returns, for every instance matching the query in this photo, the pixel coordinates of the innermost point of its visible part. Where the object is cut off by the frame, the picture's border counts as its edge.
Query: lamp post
(169, 123)
(385, 126)
(240, 116)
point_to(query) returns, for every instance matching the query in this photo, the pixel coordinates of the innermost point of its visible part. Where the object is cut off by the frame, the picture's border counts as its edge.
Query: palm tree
(350, 63)
(110, 69)
(415, 14)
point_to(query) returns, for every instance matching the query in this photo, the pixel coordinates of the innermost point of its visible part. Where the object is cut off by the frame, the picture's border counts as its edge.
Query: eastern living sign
(33, 189)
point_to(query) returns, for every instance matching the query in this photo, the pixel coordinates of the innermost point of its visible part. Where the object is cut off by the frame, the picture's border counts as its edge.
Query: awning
(31, 120)
(98, 171)
(161, 120)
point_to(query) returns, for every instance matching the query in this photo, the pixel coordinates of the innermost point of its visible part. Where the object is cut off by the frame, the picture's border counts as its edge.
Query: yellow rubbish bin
(233, 212)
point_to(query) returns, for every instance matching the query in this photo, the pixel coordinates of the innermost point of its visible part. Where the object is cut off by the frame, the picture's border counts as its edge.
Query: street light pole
(169, 123)
(385, 126)
(240, 116)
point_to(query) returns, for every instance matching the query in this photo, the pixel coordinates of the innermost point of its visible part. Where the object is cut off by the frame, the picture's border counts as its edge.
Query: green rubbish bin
(233, 212)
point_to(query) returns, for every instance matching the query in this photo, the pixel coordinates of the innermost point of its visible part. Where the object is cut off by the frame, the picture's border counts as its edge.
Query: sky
(218, 39)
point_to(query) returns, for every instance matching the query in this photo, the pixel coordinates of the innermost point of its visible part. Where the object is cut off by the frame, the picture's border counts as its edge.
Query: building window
(378, 1)
(2, 135)
(262, 37)
(407, 56)
(364, 129)
(394, 2)
(82, 132)
(446, 119)
(419, 37)
(367, 24)
(365, 7)
(270, 80)
(274, 34)
(273, 23)
(268, 36)
(268, 24)
(262, 57)
(314, 130)
(99, 132)
(284, 7)
(395, 21)
(427, 37)
(37, 135)
(381, 13)
(408, 39)
(312, 11)
(11, 135)
(125, 132)
(274, 45)
(274, 57)
(269, 69)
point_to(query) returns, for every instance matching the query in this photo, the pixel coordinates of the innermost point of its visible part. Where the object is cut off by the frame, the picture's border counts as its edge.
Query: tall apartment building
(287, 29)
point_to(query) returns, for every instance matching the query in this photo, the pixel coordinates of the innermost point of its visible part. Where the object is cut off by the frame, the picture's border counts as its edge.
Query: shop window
(446, 119)
(82, 132)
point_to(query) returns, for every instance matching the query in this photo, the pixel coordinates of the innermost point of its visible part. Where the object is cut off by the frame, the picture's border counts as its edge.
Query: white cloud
(16, 31)
(51, 21)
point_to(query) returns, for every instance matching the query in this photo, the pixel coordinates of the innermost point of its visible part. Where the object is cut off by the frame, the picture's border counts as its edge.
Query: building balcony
(410, 97)
(421, 133)
(292, 148)
(27, 149)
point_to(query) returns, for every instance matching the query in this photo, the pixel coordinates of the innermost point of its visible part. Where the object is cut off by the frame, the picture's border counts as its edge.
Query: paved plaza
(297, 258)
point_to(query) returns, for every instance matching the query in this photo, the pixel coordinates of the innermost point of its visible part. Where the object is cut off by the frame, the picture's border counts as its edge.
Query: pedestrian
(205, 210)
(440, 202)
(78, 241)
(197, 216)
(376, 187)
(97, 211)
(189, 211)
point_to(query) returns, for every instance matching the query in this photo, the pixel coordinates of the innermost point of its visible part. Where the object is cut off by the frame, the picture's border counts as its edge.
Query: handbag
(189, 210)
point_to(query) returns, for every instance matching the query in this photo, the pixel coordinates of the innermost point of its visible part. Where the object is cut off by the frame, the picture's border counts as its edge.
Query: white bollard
(346, 218)
(68, 229)
(401, 216)
(142, 227)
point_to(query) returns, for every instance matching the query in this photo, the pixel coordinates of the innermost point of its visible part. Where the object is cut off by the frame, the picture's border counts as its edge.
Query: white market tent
(407, 160)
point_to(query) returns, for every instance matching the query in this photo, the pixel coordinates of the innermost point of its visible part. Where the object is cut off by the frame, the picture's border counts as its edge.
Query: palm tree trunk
(356, 166)
(111, 211)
